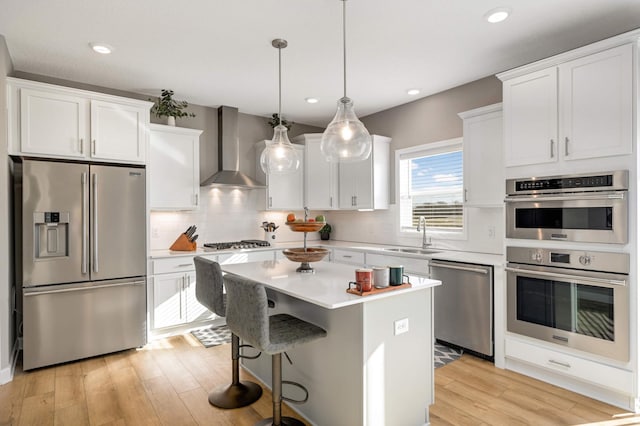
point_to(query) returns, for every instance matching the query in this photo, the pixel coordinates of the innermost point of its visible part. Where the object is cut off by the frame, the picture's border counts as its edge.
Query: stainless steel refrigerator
(81, 254)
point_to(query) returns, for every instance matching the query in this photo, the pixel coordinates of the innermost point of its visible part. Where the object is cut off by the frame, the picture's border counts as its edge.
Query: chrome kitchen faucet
(422, 223)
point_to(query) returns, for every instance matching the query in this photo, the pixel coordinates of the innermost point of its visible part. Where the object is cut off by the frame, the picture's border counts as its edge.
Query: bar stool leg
(276, 391)
(239, 393)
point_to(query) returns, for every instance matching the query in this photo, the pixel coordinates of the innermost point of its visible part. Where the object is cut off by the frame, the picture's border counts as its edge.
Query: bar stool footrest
(247, 356)
(298, 385)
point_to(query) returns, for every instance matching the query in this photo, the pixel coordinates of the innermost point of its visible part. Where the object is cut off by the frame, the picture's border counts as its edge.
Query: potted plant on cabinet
(325, 232)
(166, 106)
(275, 120)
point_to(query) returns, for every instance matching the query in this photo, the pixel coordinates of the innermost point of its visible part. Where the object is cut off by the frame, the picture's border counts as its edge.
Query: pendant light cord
(344, 45)
(280, 86)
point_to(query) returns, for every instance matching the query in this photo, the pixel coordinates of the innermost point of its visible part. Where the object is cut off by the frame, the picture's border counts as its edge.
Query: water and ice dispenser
(51, 234)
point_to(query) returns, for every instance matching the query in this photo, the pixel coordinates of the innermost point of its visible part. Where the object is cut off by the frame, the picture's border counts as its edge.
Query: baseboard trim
(6, 374)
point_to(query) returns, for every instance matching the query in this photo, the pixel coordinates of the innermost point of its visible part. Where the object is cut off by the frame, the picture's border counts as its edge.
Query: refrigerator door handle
(94, 179)
(83, 288)
(85, 240)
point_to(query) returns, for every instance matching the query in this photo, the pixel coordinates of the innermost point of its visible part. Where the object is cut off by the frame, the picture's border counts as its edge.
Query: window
(430, 185)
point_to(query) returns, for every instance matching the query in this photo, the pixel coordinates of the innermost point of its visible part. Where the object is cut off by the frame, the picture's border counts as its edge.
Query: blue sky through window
(437, 177)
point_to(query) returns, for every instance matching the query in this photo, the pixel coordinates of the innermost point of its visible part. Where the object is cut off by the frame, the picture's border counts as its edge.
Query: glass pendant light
(279, 156)
(345, 138)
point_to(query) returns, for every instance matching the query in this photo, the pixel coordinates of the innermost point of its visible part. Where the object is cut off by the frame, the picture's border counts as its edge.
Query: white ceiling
(213, 52)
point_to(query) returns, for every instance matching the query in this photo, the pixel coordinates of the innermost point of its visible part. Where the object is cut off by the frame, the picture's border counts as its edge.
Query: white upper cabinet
(284, 192)
(576, 109)
(174, 167)
(596, 113)
(118, 131)
(365, 184)
(46, 120)
(483, 160)
(320, 177)
(531, 118)
(53, 124)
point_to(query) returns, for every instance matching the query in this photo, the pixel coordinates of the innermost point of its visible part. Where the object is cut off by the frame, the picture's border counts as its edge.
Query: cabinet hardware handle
(270, 201)
(330, 201)
(347, 256)
(85, 212)
(196, 195)
(81, 146)
(93, 147)
(551, 148)
(182, 265)
(465, 195)
(95, 223)
(562, 364)
(566, 146)
(355, 200)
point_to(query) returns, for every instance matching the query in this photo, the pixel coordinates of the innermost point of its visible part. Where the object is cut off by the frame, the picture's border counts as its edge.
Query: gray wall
(432, 118)
(7, 316)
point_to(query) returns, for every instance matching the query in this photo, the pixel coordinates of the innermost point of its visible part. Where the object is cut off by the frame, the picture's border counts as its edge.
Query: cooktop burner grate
(243, 244)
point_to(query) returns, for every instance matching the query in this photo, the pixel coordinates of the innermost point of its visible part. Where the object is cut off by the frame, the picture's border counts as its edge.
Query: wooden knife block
(183, 244)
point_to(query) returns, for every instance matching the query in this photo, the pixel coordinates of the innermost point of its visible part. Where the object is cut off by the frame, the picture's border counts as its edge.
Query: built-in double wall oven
(578, 298)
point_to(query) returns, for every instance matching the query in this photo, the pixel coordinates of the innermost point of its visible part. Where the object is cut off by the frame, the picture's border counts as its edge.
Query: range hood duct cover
(229, 174)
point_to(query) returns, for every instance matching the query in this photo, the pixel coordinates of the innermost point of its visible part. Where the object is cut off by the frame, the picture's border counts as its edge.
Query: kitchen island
(375, 367)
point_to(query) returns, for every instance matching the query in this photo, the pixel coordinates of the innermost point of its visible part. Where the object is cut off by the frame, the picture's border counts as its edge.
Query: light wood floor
(167, 383)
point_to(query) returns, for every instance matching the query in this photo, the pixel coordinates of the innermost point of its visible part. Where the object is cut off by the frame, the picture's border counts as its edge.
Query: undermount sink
(413, 250)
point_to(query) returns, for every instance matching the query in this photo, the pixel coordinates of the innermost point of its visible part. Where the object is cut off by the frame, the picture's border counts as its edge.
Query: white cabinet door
(320, 176)
(194, 310)
(118, 131)
(531, 118)
(365, 184)
(597, 104)
(284, 192)
(53, 124)
(168, 300)
(483, 160)
(174, 168)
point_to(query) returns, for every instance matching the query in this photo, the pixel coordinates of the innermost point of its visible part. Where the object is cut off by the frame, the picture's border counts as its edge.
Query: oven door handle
(567, 276)
(582, 196)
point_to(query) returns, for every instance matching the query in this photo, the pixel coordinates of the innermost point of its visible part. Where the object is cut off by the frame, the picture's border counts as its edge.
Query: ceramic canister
(396, 275)
(381, 277)
(364, 279)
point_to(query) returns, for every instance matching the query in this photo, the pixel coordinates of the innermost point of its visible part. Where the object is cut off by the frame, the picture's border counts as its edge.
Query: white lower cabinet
(173, 292)
(592, 372)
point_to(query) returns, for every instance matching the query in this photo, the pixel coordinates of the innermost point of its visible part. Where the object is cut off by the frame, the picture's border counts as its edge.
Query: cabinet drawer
(411, 264)
(245, 257)
(346, 256)
(590, 371)
(176, 264)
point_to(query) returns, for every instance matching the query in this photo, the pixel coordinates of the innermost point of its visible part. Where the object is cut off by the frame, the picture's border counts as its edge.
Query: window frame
(432, 148)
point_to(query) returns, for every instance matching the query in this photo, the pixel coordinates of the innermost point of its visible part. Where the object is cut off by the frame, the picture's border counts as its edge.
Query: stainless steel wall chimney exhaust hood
(229, 174)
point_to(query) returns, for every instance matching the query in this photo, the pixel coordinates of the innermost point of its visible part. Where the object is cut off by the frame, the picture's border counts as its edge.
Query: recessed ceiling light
(498, 14)
(102, 48)
(311, 100)
(413, 92)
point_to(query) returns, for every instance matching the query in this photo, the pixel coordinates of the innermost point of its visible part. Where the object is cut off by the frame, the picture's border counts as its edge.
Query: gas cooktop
(244, 244)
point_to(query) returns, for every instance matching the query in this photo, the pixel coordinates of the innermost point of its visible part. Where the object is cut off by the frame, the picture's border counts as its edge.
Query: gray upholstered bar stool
(210, 294)
(248, 317)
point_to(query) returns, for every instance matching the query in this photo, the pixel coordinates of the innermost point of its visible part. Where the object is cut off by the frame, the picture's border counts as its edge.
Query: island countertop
(326, 287)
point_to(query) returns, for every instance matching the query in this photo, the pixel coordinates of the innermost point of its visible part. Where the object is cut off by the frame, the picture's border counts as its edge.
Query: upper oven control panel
(618, 180)
(575, 259)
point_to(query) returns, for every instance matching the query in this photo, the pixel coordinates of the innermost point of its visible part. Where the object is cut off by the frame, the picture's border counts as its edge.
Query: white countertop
(326, 287)
(455, 256)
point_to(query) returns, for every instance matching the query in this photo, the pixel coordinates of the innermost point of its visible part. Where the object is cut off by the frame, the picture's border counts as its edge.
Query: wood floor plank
(166, 402)
(145, 365)
(11, 398)
(39, 382)
(72, 415)
(132, 399)
(69, 390)
(37, 410)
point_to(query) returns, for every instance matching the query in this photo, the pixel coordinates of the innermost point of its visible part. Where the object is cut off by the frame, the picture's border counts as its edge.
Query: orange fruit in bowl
(291, 217)
(311, 219)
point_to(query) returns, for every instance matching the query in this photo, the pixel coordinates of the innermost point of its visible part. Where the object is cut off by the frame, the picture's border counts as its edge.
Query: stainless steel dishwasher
(463, 305)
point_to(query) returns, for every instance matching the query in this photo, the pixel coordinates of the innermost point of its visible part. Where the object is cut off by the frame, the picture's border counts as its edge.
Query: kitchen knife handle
(94, 179)
(85, 207)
